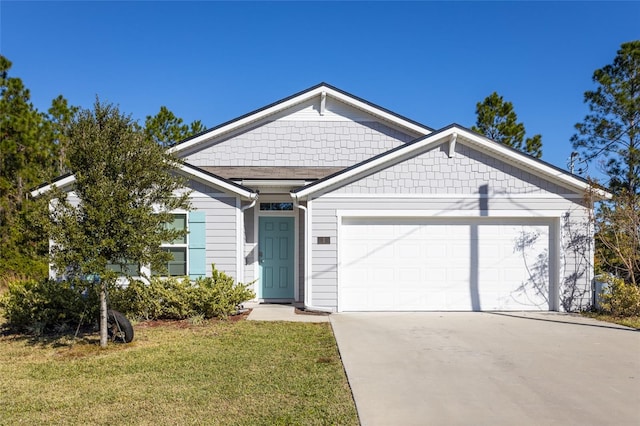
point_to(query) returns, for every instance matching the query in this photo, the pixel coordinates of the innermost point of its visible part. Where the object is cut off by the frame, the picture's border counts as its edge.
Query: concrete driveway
(489, 369)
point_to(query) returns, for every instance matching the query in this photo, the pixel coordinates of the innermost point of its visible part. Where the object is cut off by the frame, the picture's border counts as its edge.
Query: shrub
(48, 305)
(169, 298)
(41, 306)
(173, 298)
(219, 296)
(620, 299)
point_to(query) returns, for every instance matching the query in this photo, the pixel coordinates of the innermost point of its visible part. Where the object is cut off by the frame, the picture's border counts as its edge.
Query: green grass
(633, 322)
(227, 373)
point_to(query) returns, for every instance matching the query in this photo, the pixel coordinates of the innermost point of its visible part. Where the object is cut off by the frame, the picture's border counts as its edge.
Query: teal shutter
(197, 245)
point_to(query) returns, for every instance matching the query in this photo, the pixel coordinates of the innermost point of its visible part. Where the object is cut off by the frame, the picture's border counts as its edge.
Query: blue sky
(429, 61)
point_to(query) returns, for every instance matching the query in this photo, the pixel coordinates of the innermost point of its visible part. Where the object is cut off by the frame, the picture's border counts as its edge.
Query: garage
(445, 264)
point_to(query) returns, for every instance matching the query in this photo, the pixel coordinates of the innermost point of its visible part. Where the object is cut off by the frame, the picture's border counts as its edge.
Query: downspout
(307, 264)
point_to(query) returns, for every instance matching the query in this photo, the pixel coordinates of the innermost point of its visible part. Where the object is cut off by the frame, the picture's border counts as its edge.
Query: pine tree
(497, 120)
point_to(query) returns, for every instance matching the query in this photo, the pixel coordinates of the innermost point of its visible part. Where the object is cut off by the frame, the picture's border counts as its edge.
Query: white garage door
(400, 264)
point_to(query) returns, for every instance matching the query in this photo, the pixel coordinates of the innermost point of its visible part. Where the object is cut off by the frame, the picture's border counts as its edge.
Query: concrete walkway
(436, 368)
(276, 312)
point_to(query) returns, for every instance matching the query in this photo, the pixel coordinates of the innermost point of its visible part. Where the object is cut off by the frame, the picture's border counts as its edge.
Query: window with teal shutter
(197, 245)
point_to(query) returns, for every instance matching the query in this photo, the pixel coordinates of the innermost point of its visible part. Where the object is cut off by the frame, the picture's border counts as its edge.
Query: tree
(611, 130)
(611, 133)
(60, 117)
(126, 188)
(618, 237)
(497, 120)
(28, 155)
(166, 129)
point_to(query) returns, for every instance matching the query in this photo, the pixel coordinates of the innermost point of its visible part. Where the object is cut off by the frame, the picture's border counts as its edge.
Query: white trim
(239, 241)
(67, 181)
(184, 245)
(225, 186)
(513, 196)
(308, 272)
(323, 102)
(410, 150)
(555, 268)
(452, 145)
(184, 168)
(449, 213)
(317, 92)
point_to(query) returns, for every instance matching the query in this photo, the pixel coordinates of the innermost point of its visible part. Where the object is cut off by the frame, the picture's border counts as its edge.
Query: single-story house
(329, 200)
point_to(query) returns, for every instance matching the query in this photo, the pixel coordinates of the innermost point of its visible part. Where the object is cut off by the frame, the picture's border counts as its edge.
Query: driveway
(489, 369)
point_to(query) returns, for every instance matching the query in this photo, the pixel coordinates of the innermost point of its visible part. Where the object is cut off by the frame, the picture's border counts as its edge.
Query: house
(327, 199)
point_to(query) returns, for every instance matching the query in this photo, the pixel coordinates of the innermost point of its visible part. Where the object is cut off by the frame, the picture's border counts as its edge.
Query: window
(177, 266)
(128, 269)
(276, 206)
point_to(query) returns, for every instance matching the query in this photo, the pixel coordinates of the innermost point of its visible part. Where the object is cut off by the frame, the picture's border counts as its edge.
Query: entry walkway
(276, 312)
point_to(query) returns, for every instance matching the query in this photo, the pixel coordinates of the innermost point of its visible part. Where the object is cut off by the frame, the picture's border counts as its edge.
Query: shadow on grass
(567, 322)
(86, 335)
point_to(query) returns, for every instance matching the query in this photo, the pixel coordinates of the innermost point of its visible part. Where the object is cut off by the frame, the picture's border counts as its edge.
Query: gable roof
(451, 133)
(191, 172)
(320, 90)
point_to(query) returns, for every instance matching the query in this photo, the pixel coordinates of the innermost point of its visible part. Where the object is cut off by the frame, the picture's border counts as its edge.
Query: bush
(47, 305)
(620, 299)
(169, 298)
(218, 295)
(173, 298)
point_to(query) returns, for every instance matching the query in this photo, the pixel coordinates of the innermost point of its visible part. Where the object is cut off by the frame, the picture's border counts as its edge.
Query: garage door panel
(443, 264)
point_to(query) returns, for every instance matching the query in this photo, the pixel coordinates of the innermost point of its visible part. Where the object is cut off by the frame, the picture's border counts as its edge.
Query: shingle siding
(301, 143)
(468, 172)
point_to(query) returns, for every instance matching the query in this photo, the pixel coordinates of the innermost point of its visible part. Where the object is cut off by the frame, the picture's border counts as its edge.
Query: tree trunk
(103, 314)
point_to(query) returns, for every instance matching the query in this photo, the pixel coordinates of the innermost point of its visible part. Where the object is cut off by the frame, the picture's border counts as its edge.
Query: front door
(276, 257)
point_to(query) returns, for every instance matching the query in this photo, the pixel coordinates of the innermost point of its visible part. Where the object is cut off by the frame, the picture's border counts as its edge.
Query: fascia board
(62, 183)
(218, 182)
(375, 111)
(280, 106)
(190, 171)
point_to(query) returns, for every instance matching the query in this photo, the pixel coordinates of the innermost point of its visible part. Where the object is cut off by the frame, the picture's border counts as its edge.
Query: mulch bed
(186, 323)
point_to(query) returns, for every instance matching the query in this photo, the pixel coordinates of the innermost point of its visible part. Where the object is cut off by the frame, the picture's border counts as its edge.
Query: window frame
(172, 245)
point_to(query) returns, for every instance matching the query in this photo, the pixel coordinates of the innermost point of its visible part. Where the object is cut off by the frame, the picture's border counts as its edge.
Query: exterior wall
(301, 143)
(221, 228)
(469, 184)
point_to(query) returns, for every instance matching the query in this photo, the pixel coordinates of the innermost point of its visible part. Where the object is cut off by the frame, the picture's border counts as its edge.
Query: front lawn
(227, 373)
(633, 321)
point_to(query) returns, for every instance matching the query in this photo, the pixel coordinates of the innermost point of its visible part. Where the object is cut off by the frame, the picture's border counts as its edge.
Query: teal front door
(276, 255)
